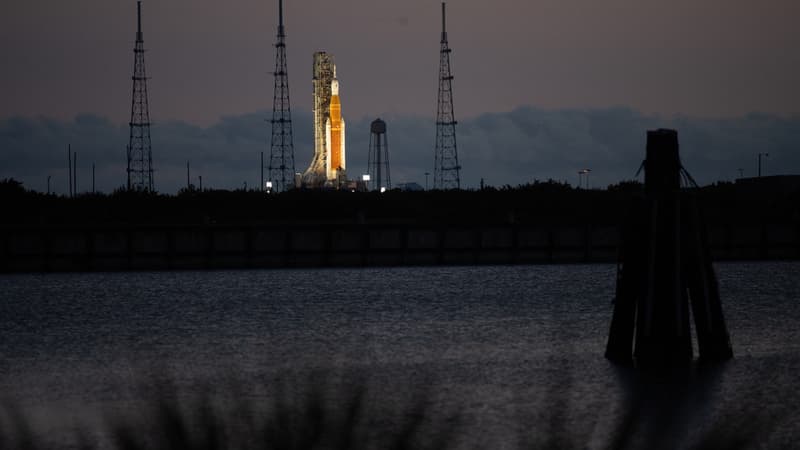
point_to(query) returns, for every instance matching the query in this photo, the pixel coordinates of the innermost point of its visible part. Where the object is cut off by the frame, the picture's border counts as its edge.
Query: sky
(541, 89)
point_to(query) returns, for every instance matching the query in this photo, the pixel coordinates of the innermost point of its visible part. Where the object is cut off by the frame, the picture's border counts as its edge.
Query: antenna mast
(281, 159)
(446, 171)
(140, 156)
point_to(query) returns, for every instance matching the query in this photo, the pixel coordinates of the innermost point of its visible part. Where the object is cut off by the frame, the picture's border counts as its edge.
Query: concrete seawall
(101, 248)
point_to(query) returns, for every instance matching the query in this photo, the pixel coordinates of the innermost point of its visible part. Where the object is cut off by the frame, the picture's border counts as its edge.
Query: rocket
(328, 165)
(334, 132)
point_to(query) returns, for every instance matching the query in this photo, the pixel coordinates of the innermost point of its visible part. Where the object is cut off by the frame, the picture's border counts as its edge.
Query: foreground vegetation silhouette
(538, 202)
(663, 411)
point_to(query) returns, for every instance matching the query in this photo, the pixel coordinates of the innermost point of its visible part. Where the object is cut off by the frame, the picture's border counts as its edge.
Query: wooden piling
(665, 265)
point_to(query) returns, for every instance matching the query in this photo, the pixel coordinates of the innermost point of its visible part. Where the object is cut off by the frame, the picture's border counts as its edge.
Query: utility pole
(188, 182)
(93, 190)
(48, 185)
(69, 162)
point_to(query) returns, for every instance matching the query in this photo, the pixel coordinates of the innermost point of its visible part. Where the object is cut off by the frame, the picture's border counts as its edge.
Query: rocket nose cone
(335, 87)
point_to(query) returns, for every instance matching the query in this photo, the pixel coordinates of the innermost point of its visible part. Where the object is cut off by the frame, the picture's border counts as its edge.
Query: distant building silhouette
(776, 183)
(412, 186)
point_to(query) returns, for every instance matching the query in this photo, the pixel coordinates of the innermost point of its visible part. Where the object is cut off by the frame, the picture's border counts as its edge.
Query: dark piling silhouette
(664, 266)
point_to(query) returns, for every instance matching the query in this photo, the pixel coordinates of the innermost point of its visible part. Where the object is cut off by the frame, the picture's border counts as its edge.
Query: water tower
(378, 162)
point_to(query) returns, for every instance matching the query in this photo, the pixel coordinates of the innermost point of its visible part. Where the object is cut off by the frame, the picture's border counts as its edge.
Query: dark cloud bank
(504, 148)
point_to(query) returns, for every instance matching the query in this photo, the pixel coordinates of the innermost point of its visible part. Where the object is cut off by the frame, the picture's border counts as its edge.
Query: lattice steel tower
(140, 155)
(446, 171)
(281, 159)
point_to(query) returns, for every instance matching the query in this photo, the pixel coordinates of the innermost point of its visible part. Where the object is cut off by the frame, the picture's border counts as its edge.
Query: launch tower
(445, 169)
(140, 155)
(329, 163)
(281, 160)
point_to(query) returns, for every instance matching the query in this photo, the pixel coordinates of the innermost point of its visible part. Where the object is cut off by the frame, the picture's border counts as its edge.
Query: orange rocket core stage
(336, 133)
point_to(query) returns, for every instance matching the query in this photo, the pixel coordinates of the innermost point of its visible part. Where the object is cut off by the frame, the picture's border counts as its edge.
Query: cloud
(503, 148)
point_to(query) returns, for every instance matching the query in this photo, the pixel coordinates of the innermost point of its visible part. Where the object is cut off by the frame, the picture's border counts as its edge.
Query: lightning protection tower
(281, 159)
(378, 160)
(446, 169)
(140, 155)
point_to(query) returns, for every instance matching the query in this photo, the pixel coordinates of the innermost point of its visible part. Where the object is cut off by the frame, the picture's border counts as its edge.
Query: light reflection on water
(499, 344)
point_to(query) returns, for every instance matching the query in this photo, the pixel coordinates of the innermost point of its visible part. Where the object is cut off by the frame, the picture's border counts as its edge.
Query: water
(515, 353)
